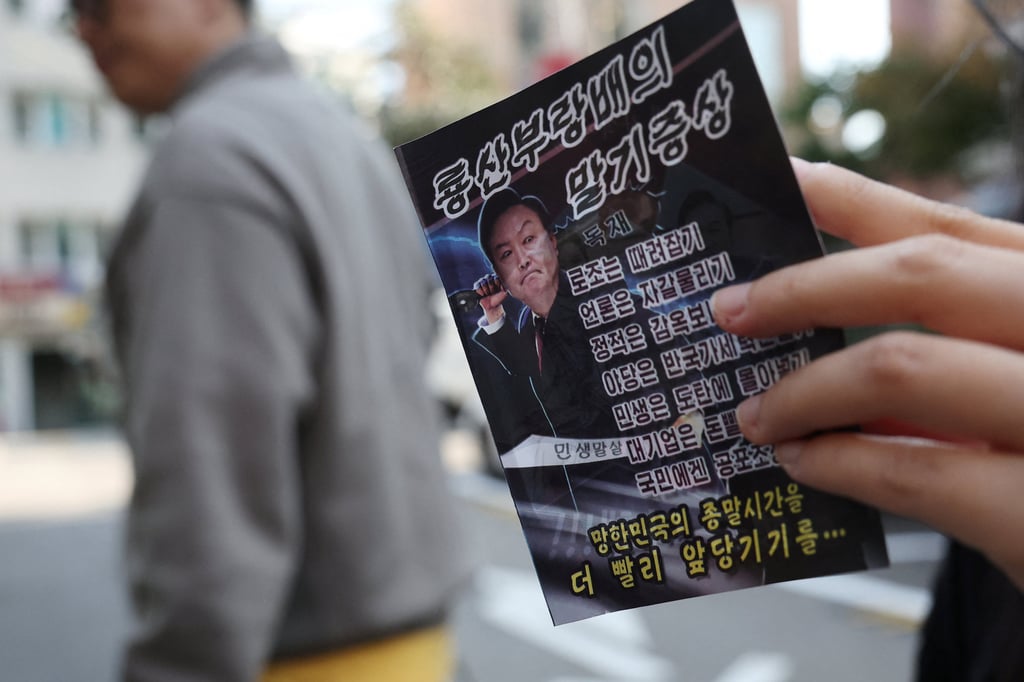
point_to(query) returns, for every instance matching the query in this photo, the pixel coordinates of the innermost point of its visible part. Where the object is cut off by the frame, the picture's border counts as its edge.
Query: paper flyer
(579, 228)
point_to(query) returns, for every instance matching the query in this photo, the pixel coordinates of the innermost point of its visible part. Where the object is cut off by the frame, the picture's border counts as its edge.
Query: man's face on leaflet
(525, 257)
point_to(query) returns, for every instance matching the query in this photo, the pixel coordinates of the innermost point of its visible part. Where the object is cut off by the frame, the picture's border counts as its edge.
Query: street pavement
(63, 615)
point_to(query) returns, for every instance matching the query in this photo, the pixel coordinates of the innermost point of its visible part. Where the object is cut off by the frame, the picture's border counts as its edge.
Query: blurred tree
(934, 114)
(444, 81)
(929, 126)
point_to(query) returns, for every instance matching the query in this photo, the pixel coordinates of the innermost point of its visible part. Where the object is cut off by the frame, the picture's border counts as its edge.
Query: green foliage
(934, 112)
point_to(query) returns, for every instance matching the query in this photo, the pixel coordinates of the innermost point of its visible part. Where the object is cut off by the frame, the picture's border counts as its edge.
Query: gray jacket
(266, 296)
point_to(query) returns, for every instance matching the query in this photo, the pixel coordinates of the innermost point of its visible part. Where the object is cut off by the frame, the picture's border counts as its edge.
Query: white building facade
(70, 159)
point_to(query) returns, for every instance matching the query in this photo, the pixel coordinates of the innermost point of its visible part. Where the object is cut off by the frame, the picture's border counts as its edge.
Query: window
(531, 25)
(22, 114)
(55, 120)
(72, 248)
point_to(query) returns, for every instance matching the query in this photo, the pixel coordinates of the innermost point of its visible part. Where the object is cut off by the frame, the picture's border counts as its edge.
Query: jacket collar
(254, 53)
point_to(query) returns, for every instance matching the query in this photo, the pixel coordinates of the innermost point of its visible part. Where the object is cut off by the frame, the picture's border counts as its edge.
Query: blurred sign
(552, 62)
(34, 304)
(26, 286)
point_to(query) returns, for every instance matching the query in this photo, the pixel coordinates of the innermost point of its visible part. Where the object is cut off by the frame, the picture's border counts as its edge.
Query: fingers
(492, 295)
(866, 212)
(948, 285)
(488, 285)
(887, 426)
(925, 263)
(960, 491)
(941, 385)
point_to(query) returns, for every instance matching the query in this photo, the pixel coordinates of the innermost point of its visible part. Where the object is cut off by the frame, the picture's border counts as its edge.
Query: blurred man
(289, 500)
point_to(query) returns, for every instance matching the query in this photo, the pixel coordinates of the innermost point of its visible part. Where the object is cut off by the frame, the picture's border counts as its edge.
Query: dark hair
(245, 6)
(496, 205)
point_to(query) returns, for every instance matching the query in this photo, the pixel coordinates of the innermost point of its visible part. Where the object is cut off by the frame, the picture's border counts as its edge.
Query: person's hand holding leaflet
(947, 269)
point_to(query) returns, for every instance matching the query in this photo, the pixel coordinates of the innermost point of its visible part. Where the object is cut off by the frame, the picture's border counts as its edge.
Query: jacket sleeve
(217, 355)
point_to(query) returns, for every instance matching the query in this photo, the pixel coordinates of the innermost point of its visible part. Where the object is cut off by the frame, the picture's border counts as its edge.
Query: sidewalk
(58, 475)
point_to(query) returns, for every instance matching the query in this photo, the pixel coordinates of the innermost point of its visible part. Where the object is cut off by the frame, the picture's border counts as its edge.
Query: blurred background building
(904, 90)
(543, 37)
(459, 55)
(69, 160)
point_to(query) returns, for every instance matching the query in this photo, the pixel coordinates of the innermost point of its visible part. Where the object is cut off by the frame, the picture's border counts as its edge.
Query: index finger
(866, 213)
(947, 285)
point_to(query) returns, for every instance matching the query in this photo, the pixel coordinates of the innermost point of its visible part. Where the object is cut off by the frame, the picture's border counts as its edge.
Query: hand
(943, 268)
(492, 294)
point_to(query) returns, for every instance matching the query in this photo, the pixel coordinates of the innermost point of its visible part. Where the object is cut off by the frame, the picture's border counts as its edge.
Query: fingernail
(802, 166)
(747, 412)
(729, 303)
(788, 454)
